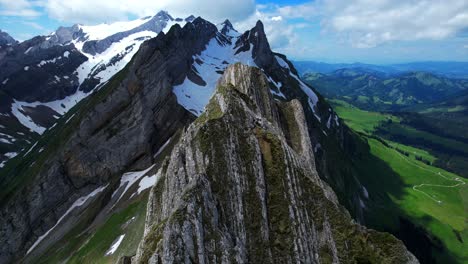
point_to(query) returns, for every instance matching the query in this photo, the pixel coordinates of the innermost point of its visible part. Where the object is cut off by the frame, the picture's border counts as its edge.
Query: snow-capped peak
(101, 31)
(108, 48)
(226, 28)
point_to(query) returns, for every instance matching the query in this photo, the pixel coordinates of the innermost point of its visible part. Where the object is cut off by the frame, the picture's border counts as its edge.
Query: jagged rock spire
(228, 29)
(237, 187)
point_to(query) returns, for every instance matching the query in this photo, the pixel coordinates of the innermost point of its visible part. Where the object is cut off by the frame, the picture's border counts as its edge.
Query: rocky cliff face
(241, 187)
(44, 77)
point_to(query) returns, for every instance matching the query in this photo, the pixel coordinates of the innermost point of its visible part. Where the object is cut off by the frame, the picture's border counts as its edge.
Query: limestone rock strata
(241, 187)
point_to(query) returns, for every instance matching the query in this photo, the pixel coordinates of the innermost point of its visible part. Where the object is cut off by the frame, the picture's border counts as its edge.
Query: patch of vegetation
(392, 171)
(90, 246)
(277, 200)
(377, 91)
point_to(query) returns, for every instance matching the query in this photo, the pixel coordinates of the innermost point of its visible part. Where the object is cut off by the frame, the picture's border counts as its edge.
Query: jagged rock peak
(237, 188)
(190, 18)
(6, 39)
(163, 15)
(227, 29)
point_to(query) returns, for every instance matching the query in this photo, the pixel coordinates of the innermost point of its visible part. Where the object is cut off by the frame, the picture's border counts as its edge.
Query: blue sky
(370, 31)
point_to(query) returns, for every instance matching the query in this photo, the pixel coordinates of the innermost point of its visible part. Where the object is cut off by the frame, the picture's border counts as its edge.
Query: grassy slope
(443, 220)
(90, 246)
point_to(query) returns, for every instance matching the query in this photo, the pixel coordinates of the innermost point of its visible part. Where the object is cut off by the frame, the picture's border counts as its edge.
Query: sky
(368, 31)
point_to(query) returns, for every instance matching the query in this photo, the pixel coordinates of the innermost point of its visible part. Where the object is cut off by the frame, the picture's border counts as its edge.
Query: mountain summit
(233, 190)
(6, 39)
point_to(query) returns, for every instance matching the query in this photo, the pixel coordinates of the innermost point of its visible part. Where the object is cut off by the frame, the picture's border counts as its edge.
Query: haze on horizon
(379, 32)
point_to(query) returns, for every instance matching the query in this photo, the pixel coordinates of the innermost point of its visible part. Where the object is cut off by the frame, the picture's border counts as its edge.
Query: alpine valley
(178, 140)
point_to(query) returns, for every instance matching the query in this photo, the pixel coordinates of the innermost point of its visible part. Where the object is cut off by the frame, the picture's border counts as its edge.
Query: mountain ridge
(374, 90)
(244, 162)
(44, 77)
(450, 69)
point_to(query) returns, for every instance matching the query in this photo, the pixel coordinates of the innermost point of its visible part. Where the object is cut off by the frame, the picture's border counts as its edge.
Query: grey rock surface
(234, 191)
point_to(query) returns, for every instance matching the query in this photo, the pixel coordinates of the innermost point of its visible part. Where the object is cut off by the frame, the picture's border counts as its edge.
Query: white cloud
(279, 32)
(22, 8)
(92, 11)
(368, 23)
(277, 18)
(306, 10)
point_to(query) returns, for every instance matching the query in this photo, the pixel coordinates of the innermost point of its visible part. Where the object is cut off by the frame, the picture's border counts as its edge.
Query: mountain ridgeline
(375, 90)
(44, 77)
(241, 187)
(260, 172)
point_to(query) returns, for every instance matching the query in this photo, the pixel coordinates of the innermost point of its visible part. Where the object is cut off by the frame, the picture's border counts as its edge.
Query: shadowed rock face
(241, 187)
(6, 39)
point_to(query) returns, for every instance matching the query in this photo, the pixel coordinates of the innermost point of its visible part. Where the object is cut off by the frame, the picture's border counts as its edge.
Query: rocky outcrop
(241, 187)
(6, 39)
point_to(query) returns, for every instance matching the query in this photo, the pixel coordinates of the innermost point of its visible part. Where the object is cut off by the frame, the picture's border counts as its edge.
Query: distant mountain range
(448, 69)
(374, 90)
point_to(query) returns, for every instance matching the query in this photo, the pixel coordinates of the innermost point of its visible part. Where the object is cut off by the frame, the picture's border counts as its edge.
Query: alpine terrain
(169, 140)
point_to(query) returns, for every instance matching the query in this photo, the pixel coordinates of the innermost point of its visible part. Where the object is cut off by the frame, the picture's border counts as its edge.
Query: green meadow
(430, 197)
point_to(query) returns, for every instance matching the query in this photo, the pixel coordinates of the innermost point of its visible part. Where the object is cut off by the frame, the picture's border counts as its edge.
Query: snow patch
(78, 203)
(281, 62)
(161, 149)
(313, 98)
(317, 147)
(28, 50)
(361, 203)
(11, 155)
(5, 81)
(127, 180)
(26, 68)
(364, 191)
(329, 121)
(148, 182)
(5, 141)
(194, 97)
(59, 106)
(26, 121)
(115, 245)
(44, 62)
(93, 63)
(278, 85)
(30, 149)
(70, 118)
(105, 30)
(66, 54)
(7, 138)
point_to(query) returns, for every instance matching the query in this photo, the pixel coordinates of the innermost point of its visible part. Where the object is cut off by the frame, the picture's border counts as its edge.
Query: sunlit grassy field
(430, 197)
